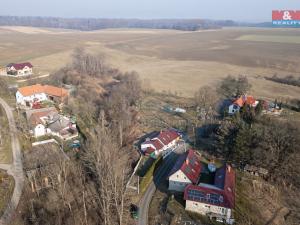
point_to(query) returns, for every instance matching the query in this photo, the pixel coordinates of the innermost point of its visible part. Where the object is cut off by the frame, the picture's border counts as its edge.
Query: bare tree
(234, 87)
(206, 100)
(106, 162)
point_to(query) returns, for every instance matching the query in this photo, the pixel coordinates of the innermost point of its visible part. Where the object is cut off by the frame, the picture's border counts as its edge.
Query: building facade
(215, 200)
(19, 69)
(166, 139)
(29, 95)
(186, 171)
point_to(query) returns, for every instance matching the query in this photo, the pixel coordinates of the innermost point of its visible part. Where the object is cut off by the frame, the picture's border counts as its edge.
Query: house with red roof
(215, 200)
(19, 69)
(31, 95)
(165, 140)
(47, 121)
(186, 171)
(238, 103)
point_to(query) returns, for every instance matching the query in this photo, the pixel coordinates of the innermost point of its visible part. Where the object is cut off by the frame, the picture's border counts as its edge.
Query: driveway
(160, 174)
(15, 169)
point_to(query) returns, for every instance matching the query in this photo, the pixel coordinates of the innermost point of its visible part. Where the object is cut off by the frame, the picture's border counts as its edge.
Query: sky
(239, 10)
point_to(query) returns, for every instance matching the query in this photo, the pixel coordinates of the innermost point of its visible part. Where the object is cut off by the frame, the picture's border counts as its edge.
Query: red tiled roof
(229, 185)
(36, 116)
(47, 89)
(227, 193)
(250, 100)
(164, 138)
(168, 136)
(20, 66)
(157, 144)
(149, 150)
(189, 163)
(242, 100)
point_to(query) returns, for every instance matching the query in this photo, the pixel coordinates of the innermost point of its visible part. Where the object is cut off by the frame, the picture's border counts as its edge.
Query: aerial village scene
(204, 184)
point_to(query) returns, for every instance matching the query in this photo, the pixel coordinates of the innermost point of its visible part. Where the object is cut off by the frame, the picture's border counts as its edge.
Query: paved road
(15, 169)
(160, 174)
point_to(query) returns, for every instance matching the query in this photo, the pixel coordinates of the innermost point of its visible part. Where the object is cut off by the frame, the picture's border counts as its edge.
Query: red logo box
(286, 15)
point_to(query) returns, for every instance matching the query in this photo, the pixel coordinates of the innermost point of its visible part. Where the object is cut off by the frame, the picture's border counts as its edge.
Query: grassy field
(168, 60)
(271, 38)
(5, 145)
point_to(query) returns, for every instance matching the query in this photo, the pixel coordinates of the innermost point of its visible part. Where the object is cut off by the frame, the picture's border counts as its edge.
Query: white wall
(23, 99)
(205, 209)
(145, 146)
(232, 110)
(20, 98)
(39, 130)
(178, 181)
(25, 71)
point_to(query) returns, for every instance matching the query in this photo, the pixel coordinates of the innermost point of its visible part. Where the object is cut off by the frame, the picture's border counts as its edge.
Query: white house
(47, 121)
(30, 95)
(185, 171)
(217, 200)
(19, 69)
(164, 140)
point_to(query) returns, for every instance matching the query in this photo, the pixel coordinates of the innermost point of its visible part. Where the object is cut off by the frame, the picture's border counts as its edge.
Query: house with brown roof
(165, 140)
(30, 95)
(238, 103)
(19, 69)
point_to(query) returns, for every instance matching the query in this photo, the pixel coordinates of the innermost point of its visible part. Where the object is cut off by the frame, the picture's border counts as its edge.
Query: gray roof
(59, 123)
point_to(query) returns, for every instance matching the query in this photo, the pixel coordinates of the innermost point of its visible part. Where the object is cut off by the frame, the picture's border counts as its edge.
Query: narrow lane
(160, 174)
(15, 169)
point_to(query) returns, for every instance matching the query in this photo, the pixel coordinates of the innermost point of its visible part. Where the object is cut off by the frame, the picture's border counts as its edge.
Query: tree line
(96, 24)
(289, 80)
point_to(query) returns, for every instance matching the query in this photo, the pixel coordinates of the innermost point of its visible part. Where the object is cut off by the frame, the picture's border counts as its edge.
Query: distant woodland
(87, 24)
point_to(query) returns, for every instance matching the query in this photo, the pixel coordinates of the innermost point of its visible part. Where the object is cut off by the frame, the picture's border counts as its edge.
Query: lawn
(5, 144)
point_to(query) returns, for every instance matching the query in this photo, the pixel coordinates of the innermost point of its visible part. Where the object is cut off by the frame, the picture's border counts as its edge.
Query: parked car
(134, 211)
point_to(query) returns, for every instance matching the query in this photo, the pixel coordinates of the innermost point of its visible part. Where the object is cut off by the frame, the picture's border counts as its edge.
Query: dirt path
(15, 169)
(41, 76)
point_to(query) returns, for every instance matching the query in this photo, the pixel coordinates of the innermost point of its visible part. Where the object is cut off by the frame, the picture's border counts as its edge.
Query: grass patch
(147, 179)
(5, 143)
(6, 190)
(271, 38)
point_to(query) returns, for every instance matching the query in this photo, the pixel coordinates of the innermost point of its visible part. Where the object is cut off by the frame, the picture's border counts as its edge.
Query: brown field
(168, 60)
